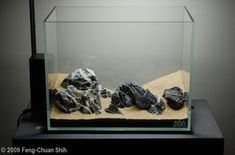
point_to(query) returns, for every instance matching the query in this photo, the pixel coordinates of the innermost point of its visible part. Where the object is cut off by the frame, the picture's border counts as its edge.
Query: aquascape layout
(80, 96)
(119, 67)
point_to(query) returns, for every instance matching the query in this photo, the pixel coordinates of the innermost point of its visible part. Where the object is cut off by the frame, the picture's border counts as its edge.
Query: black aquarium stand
(206, 138)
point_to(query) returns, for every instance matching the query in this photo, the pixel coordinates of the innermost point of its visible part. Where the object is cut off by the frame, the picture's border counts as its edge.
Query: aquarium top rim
(46, 20)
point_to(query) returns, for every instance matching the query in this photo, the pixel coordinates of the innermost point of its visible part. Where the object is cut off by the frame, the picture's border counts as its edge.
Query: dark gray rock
(105, 93)
(117, 100)
(72, 99)
(132, 94)
(175, 97)
(152, 109)
(113, 109)
(158, 107)
(120, 99)
(92, 102)
(138, 95)
(82, 92)
(82, 79)
(66, 101)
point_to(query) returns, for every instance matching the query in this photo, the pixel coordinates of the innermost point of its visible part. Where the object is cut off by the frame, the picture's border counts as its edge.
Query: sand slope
(178, 78)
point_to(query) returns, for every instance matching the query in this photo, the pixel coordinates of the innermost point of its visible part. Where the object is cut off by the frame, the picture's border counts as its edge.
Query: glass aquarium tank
(119, 68)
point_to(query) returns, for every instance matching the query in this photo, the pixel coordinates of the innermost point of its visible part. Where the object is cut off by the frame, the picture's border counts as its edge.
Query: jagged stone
(131, 93)
(117, 100)
(158, 107)
(82, 79)
(105, 93)
(72, 99)
(82, 92)
(66, 101)
(112, 109)
(175, 97)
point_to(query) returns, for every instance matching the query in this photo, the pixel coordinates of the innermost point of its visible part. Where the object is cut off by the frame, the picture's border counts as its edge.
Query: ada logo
(179, 124)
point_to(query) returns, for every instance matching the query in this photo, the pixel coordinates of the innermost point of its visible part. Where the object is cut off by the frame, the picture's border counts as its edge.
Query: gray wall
(214, 59)
(14, 54)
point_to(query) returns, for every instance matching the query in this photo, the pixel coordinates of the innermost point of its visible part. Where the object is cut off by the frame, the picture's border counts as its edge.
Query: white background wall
(214, 58)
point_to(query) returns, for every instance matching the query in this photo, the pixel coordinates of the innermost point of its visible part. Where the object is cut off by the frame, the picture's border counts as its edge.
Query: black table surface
(206, 137)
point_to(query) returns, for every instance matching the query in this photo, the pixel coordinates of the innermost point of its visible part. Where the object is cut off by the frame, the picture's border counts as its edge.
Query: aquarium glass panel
(118, 68)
